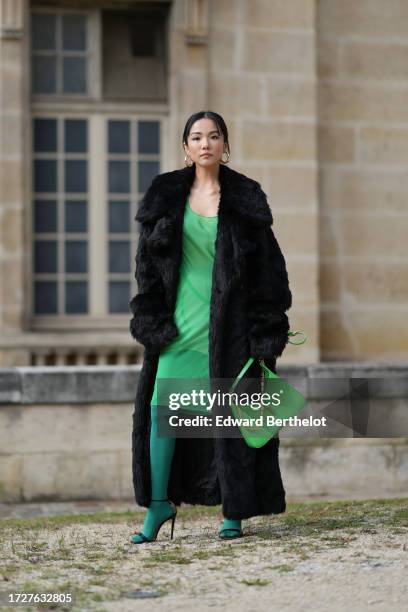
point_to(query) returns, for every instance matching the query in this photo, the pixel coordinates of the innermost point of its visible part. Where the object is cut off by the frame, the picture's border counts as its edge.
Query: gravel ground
(350, 555)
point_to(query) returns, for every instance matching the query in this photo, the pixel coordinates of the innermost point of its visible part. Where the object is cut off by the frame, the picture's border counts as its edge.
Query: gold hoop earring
(228, 158)
(186, 163)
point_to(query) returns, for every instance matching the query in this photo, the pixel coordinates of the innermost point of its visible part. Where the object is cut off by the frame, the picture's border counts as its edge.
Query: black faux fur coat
(250, 294)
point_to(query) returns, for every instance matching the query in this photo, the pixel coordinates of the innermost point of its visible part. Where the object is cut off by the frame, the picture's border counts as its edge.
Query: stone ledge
(68, 385)
(114, 384)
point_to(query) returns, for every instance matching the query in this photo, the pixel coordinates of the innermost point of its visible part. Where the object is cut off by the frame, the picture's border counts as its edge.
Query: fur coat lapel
(242, 204)
(239, 194)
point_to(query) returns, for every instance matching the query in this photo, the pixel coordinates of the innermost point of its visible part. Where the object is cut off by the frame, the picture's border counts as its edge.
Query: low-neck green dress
(187, 355)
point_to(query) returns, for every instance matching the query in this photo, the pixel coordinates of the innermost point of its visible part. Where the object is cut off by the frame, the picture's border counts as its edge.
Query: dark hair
(218, 120)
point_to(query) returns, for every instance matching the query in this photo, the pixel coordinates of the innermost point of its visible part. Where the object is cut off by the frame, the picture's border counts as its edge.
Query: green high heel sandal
(238, 533)
(230, 529)
(172, 518)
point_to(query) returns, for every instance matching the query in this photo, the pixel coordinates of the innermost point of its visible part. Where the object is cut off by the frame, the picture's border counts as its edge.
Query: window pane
(74, 32)
(44, 75)
(148, 137)
(76, 256)
(76, 297)
(147, 172)
(119, 177)
(45, 256)
(45, 175)
(45, 297)
(143, 38)
(45, 135)
(119, 296)
(75, 216)
(76, 176)
(119, 256)
(43, 31)
(76, 136)
(45, 216)
(119, 216)
(119, 137)
(74, 75)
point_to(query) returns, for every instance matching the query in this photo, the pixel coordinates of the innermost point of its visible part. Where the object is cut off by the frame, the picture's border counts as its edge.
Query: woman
(212, 291)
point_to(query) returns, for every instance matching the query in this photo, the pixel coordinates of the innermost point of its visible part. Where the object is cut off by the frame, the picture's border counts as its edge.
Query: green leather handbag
(257, 423)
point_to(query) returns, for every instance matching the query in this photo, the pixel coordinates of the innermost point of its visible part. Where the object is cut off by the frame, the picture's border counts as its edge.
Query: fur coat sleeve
(269, 296)
(151, 319)
(152, 323)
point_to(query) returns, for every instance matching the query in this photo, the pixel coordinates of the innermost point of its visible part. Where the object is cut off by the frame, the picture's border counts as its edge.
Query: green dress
(187, 355)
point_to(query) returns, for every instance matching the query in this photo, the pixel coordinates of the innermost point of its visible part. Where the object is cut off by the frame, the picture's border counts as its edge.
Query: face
(205, 138)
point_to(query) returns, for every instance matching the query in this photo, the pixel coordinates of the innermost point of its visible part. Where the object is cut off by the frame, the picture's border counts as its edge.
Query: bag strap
(242, 372)
(291, 333)
(261, 360)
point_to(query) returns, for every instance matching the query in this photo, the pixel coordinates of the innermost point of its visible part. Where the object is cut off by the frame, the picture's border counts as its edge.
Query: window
(109, 55)
(59, 53)
(60, 216)
(91, 166)
(72, 220)
(133, 159)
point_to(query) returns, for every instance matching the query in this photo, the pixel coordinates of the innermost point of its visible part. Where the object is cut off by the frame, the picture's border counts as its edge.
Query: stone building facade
(94, 97)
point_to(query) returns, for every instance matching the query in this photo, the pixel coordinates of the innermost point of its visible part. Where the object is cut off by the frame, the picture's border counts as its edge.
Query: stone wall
(262, 79)
(363, 157)
(65, 434)
(13, 171)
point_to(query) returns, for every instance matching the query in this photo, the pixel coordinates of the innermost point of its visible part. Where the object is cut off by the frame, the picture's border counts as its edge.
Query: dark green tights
(161, 455)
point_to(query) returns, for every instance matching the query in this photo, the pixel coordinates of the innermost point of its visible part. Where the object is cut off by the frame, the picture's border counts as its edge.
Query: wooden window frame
(97, 112)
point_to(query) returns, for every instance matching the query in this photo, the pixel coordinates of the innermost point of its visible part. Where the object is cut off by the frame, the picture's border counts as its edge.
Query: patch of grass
(53, 523)
(301, 550)
(202, 554)
(401, 515)
(224, 551)
(117, 556)
(65, 585)
(36, 546)
(255, 581)
(282, 567)
(169, 557)
(62, 555)
(9, 568)
(267, 535)
(94, 555)
(29, 586)
(397, 530)
(298, 545)
(101, 571)
(78, 565)
(49, 574)
(316, 518)
(328, 515)
(162, 586)
(98, 597)
(337, 543)
(97, 582)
